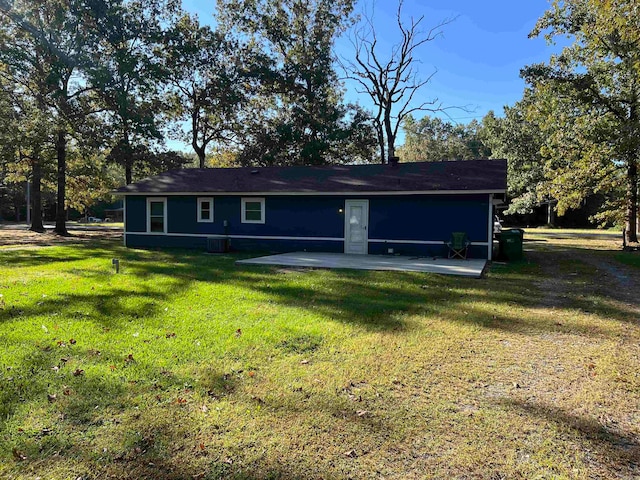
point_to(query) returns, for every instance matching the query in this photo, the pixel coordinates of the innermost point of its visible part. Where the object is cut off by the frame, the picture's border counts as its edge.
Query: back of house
(403, 208)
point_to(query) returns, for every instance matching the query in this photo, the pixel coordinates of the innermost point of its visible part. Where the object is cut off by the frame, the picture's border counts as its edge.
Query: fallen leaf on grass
(181, 401)
(204, 409)
(170, 334)
(252, 374)
(129, 358)
(362, 413)
(350, 453)
(78, 372)
(72, 341)
(51, 397)
(112, 367)
(304, 362)
(18, 455)
(238, 332)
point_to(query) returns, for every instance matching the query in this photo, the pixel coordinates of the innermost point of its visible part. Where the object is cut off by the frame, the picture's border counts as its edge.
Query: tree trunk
(17, 204)
(551, 218)
(391, 139)
(127, 170)
(36, 196)
(195, 125)
(632, 202)
(61, 151)
(380, 141)
(200, 152)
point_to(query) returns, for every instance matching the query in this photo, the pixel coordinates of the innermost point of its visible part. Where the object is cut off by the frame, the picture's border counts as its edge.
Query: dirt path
(609, 278)
(17, 237)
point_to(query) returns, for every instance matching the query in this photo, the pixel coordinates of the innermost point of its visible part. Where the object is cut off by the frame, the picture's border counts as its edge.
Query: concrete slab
(466, 268)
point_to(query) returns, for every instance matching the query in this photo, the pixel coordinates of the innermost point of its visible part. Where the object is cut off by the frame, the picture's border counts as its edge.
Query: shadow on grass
(373, 300)
(616, 449)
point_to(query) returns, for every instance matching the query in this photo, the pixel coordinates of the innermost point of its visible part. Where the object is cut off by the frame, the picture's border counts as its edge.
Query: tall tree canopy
(46, 50)
(590, 100)
(208, 78)
(298, 116)
(519, 140)
(126, 72)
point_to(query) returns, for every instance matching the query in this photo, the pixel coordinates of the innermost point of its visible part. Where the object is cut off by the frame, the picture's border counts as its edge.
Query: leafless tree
(393, 82)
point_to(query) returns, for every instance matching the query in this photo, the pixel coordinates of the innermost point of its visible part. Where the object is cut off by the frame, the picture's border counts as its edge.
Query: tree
(393, 83)
(26, 146)
(432, 139)
(297, 116)
(519, 140)
(29, 128)
(206, 73)
(48, 41)
(595, 85)
(126, 71)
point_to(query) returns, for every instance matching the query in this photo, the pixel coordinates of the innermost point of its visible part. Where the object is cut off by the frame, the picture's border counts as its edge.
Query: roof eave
(312, 193)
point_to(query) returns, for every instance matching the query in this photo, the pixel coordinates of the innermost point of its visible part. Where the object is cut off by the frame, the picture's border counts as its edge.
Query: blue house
(405, 208)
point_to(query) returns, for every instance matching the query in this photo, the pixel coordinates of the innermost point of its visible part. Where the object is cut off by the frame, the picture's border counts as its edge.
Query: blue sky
(478, 58)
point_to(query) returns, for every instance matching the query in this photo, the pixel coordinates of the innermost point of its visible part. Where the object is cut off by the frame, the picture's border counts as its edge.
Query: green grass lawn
(185, 366)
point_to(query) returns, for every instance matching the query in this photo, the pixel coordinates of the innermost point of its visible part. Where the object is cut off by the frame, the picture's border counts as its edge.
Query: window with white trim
(253, 210)
(205, 209)
(157, 215)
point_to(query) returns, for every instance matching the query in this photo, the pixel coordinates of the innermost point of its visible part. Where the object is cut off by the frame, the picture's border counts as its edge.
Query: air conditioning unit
(217, 245)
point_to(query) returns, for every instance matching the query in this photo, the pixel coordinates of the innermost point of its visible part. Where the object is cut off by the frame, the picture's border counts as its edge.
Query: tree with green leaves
(518, 139)
(48, 40)
(590, 100)
(206, 74)
(297, 116)
(26, 145)
(126, 71)
(432, 139)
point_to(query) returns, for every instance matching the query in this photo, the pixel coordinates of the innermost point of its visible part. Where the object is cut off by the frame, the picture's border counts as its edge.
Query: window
(157, 215)
(205, 209)
(253, 210)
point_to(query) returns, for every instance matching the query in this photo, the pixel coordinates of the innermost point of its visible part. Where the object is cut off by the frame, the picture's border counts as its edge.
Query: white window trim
(201, 200)
(164, 221)
(244, 209)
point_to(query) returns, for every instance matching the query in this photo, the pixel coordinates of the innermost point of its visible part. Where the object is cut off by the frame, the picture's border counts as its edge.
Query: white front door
(356, 226)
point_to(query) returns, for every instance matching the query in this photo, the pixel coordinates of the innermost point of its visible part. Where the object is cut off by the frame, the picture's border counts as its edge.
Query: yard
(184, 366)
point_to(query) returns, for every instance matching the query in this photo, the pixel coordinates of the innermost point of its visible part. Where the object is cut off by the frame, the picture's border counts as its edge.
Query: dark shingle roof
(462, 175)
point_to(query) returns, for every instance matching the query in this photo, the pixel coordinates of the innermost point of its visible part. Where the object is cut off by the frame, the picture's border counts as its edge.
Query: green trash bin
(510, 246)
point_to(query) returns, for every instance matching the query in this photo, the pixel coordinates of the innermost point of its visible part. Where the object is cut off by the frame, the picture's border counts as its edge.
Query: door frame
(365, 203)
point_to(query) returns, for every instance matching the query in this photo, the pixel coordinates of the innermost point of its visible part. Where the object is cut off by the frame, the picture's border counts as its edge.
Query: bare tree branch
(392, 83)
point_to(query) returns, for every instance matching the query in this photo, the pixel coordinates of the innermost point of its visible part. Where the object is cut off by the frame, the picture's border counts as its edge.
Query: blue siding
(429, 218)
(285, 217)
(136, 214)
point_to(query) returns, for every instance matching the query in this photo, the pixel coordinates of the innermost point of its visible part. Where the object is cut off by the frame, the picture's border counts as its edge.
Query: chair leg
(453, 253)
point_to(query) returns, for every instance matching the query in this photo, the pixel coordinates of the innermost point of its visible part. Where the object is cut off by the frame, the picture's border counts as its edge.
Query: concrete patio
(466, 268)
